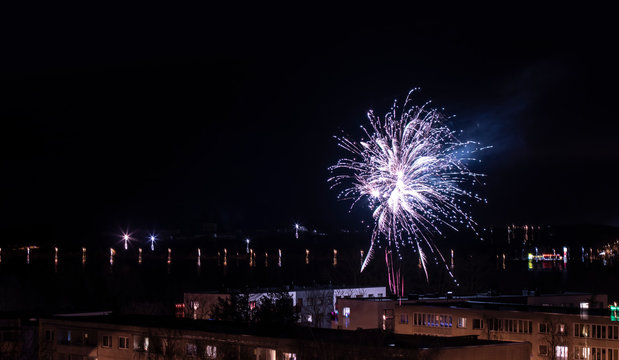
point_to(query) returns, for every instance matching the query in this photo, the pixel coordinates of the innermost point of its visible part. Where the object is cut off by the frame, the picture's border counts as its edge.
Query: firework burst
(411, 171)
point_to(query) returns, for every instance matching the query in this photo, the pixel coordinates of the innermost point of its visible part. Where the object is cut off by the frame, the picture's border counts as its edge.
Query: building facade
(562, 331)
(316, 306)
(112, 337)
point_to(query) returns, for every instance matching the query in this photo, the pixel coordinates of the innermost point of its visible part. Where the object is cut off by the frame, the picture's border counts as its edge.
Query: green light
(614, 313)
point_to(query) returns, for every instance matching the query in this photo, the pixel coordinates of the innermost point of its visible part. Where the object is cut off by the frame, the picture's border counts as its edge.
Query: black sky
(159, 117)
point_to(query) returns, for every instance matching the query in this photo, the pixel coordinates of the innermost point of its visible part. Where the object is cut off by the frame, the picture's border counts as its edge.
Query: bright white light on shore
(126, 240)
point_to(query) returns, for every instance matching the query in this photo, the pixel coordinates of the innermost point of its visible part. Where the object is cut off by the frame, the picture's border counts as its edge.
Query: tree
(276, 309)
(555, 335)
(232, 308)
(317, 304)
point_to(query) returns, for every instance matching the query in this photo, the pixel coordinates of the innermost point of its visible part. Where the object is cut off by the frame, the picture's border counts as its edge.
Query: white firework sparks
(411, 169)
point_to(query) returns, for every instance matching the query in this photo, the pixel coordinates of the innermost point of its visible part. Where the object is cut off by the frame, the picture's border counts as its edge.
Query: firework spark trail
(411, 168)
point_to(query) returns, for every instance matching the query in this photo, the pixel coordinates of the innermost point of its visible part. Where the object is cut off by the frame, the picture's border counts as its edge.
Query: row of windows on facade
(439, 320)
(511, 326)
(380, 295)
(610, 332)
(581, 352)
(140, 343)
(595, 331)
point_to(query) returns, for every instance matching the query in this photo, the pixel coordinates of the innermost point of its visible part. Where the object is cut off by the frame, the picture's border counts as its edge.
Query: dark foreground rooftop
(371, 337)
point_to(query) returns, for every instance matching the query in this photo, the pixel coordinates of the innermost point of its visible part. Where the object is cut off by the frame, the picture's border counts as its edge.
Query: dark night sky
(158, 117)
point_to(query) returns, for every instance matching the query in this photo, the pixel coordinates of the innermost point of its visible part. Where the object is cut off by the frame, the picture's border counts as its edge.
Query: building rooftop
(371, 337)
(503, 306)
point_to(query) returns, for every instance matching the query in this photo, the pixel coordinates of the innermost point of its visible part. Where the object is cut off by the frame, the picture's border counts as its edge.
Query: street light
(152, 242)
(247, 242)
(126, 239)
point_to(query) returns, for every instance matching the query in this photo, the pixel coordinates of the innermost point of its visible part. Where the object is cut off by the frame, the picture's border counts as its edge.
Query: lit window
(561, 328)
(123, 342)
(403, 318)
(584, 305)
(211, 351)
(346, 312)
(561, 352)
(462, 323)
(290, 356)
(582, 353)
(107, 341)
(309, 318)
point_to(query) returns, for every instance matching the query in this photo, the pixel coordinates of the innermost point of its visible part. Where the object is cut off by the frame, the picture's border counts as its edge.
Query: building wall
(364, 313)
(450, 323)
(368, 314)
(191, 344)
(520, 351)
(314, 305)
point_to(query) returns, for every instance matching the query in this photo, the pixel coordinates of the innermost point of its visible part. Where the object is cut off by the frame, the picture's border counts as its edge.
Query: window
(346, 312)
(69, 336)
(141, 343)
(290, 356)
(561, 328)
(49, 335)
(582, 330)
(582, 353)
(544, 328)
(191, 349)
(123, 342)
(252, 305)
(462, 323)
(403, 318)
(211, 351)
(598, 353)
(584, 305)
(309, 317)
(106, 341)
(478, 324)
(561, 352)
(543, 350)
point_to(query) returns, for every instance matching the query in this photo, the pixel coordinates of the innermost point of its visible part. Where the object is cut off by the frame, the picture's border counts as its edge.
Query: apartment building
(122, 337)
(565, 331)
